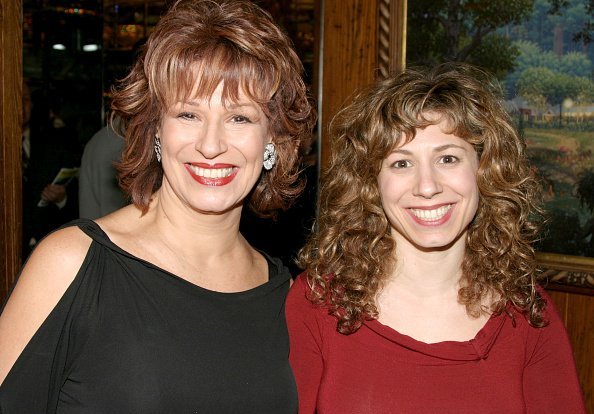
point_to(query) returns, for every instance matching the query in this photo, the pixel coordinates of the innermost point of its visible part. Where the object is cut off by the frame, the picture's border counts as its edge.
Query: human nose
(427, 183)
(212, 141)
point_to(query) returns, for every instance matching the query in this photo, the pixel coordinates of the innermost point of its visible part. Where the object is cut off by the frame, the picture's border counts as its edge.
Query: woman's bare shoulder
(125, 222)
(49, 271)
(55, 261)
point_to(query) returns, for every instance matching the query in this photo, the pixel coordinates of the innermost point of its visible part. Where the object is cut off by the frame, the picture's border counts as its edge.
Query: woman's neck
(420, 299)
(428, 272)
(205, 249)
(202, 234)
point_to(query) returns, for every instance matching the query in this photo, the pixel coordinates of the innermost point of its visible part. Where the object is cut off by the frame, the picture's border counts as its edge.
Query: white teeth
(211, 172)
(431, 215)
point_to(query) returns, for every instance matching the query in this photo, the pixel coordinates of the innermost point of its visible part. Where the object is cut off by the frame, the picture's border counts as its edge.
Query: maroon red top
(504, 369)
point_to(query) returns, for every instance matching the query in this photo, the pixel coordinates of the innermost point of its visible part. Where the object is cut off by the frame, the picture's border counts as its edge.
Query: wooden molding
(568, 273)
(10, 134)
(391, 36)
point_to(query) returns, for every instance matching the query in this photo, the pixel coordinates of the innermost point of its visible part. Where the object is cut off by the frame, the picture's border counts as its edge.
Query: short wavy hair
(195, 46)
(351, 252)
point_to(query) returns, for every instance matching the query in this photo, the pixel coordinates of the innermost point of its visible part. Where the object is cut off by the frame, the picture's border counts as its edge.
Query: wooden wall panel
(348, 56)
(578, 313)
(10, 136)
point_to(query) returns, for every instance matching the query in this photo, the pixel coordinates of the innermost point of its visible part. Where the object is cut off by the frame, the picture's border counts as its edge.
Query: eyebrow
(436, 149)
(243, 105)
(236, 105)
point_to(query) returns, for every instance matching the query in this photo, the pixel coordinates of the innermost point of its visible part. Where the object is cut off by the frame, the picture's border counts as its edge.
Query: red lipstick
(211, 181)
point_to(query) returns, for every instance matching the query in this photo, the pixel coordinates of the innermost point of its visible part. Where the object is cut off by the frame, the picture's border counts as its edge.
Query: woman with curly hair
(163, 306)
(420, 293)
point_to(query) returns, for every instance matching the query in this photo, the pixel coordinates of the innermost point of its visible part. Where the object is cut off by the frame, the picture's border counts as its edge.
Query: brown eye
(187, 115)
(241, 119)
(449, 159)
(401, 164)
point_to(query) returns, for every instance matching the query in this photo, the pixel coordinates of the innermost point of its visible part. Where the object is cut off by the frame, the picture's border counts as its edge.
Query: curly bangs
(196, 46)
(352, 252)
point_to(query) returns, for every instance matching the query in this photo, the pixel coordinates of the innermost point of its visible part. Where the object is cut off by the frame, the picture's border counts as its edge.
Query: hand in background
(53, 193)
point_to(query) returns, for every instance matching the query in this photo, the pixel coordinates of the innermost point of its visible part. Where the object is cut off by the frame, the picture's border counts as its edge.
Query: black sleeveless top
(130, 337)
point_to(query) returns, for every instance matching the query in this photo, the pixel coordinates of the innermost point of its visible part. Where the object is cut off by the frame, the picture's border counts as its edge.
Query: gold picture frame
(568, 273)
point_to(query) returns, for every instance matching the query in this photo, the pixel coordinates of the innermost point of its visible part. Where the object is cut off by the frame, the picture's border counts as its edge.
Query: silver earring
(158, 148)
(269, 156)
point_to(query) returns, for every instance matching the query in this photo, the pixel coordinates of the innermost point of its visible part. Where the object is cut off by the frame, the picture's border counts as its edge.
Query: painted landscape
(564, 159)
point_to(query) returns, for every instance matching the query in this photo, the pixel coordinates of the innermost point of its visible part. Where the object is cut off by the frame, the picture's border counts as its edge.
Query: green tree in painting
(574, 64)
(542, 87)
(582, 11)
(446, 30)
(534, 84)
(571, 63)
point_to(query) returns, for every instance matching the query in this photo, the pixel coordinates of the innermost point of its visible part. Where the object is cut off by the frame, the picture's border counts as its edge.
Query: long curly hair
(195, 46)
(351, 252)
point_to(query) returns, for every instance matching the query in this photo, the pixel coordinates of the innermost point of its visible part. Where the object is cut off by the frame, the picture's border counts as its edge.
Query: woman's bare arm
(47, 274)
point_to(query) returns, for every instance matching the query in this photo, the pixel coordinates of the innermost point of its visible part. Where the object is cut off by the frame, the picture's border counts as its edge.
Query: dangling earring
(269, 156)
(158, 148)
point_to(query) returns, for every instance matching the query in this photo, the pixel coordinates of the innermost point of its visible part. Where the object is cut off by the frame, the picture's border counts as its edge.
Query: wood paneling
(578, 313)
(348, 56)
(10, 135)
(391, 36)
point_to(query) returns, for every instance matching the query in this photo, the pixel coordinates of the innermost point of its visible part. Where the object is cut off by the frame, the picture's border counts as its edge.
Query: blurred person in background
(49, 145)
(99, 191)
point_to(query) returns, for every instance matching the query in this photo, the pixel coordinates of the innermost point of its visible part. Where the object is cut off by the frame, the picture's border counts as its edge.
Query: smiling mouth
(431, 215)
(211, 172)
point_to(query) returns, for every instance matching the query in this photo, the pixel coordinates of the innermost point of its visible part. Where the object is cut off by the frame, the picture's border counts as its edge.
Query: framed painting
(560, 145)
